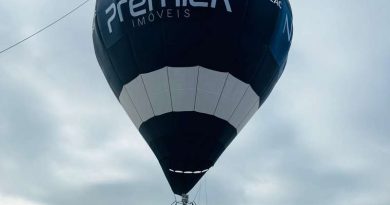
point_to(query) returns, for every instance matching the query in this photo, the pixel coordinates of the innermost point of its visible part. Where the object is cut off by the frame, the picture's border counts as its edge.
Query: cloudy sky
(323, 136)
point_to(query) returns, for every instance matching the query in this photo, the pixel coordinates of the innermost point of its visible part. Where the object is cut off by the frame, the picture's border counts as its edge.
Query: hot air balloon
(191, 73)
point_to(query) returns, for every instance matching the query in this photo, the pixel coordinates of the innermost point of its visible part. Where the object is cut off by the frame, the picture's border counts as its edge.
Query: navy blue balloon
(191, 73)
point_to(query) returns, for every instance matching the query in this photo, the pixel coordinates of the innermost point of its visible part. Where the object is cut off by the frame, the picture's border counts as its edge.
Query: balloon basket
(184, 201)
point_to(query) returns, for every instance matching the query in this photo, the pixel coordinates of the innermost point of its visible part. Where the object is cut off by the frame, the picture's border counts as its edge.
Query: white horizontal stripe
(198, 89)
(188, 172)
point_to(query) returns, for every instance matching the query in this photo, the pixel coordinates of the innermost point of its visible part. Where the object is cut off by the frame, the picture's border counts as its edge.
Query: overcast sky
(322, 137)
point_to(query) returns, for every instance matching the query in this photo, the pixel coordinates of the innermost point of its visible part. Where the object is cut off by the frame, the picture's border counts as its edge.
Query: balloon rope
(205, 188)
(175, 200)
(44, 28)
(199, 189)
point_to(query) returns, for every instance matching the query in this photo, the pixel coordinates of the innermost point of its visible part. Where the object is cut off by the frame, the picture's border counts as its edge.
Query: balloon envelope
(190, 74)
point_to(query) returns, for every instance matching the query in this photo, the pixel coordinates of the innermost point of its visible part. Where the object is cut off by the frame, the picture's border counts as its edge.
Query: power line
(44, 28)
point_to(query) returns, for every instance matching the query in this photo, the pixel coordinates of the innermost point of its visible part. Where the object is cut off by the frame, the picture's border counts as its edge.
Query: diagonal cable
(44, 28)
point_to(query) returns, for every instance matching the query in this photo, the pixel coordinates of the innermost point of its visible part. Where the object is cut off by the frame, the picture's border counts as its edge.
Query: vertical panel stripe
(140, 98)
(232, 94)
(128, 105)
(183, 88)
(247, 102)
(210, 84)
(157, 87)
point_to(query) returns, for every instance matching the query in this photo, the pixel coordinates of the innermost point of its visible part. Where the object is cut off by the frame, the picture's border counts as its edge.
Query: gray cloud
(321, 137)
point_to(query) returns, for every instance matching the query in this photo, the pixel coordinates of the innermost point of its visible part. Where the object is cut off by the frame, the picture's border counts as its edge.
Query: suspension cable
(199, 189)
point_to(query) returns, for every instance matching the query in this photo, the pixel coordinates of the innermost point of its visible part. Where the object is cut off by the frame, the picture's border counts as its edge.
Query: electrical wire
(44, 28)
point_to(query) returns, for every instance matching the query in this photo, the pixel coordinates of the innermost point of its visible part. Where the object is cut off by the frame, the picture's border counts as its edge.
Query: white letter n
(287, 27)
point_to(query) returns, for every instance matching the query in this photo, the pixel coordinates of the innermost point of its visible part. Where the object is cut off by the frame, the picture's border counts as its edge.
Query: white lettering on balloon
(277, 3)
(144, 11)
(288, 28)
